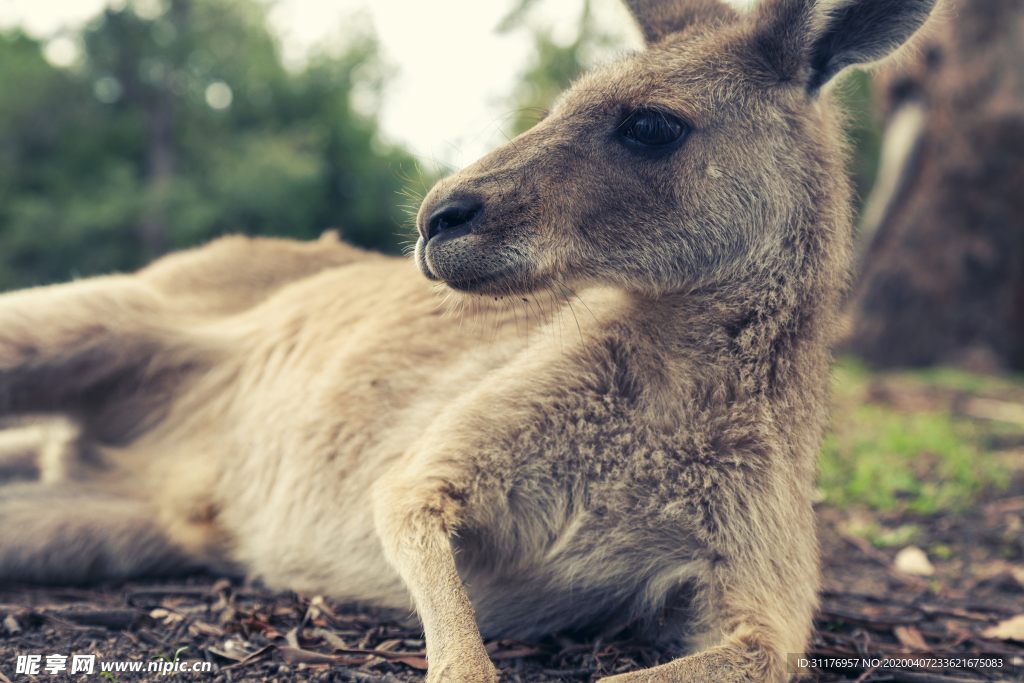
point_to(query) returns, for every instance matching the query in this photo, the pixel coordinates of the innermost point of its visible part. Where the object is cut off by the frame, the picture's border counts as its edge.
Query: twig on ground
(587, 671)
(863, 676)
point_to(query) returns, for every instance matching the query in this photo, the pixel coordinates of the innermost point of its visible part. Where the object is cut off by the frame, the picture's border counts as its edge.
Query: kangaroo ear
(812, 42)
(658, 19)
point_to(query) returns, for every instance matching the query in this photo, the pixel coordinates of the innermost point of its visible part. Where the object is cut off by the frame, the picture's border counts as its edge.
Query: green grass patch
(919, 462)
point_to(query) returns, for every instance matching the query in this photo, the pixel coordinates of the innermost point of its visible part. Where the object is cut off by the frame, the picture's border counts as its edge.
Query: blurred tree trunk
(160, 162)
(160, 118)
(942, 274)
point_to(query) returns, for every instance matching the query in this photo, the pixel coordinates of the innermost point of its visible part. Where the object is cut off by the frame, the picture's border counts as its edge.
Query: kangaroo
(619, 428)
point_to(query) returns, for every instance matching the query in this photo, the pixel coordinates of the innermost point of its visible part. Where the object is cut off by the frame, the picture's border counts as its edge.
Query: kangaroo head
(687, 165)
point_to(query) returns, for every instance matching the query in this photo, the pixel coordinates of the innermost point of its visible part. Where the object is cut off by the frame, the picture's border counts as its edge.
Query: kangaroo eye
(652, 128)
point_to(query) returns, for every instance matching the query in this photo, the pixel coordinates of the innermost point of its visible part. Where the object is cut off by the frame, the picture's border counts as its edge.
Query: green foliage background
(107, 164)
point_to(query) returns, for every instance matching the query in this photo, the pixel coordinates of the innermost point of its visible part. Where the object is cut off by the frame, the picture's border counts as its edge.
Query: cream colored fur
(617, 426)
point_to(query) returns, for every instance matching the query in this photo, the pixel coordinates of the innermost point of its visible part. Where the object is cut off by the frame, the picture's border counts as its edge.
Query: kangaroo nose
(453, 219)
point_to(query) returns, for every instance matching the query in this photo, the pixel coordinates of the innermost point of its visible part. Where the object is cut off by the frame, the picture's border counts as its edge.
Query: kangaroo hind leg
(58, 342)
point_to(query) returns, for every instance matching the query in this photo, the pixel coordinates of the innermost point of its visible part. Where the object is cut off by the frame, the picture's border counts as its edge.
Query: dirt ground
(870, 609)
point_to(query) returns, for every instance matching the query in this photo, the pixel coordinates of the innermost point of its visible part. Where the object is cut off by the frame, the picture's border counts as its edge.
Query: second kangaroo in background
(304, 414)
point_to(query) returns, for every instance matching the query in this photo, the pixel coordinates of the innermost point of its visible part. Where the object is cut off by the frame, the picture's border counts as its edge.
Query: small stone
(912, 560)
(11, 625)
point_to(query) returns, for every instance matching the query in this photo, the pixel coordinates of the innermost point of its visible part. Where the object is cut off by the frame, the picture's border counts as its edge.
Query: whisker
(568, 289)
(573, 310)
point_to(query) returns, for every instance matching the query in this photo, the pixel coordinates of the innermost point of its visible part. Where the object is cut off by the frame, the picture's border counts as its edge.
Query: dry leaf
(166, 616)
(333, 639)
(253, 624)
(257, 656)
(201, 628)
(292, 638)
(513, 649)
(912, 560)
(237, 649)
(1011, 629)
(414, 662)
(910, 637)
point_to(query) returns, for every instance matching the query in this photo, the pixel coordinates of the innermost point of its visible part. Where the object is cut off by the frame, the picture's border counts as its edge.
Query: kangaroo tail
(60, 535)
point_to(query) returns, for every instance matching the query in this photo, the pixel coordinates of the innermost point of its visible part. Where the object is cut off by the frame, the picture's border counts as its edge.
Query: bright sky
(454, 73)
